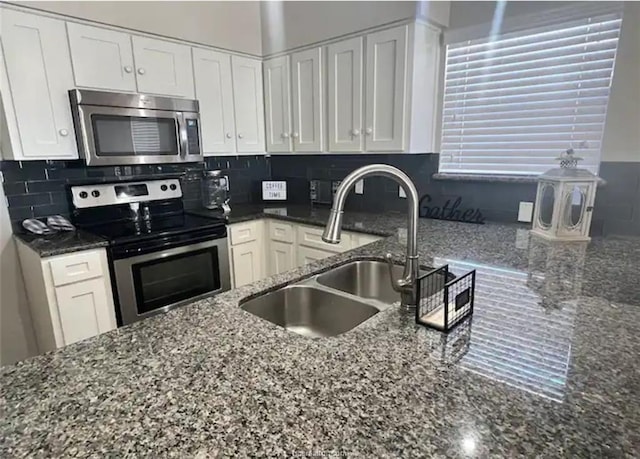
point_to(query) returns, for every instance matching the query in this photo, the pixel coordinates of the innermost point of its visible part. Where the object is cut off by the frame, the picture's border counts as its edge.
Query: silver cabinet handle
(285, 135)
(240, 136)
(141, 71)
(355, 132)
(229, 135)
(63, 132)
(128, 69)
(368, 131)
(294, 135)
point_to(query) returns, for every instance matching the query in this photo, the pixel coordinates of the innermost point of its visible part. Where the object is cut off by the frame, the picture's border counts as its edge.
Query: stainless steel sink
(310, 311)
(366, 279)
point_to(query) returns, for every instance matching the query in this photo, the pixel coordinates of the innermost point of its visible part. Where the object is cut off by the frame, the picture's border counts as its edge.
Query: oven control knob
(83, 194)
(173, 187)
(95, 193)
(163, 187)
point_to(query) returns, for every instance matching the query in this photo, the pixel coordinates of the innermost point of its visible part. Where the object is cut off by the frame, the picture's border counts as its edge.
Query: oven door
(156, 282)
(120, 136)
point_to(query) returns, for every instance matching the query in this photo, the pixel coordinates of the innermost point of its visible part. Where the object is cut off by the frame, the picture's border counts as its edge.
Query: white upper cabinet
(35, 79)
(307, 100)
(386, 90)
(214, 91)
(248, 104)
(345, 95)
(102, 58)
(277, 87)
(163, 67)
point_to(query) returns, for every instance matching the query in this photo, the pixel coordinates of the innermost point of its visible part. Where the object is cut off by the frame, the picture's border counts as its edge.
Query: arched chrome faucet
(406, 285)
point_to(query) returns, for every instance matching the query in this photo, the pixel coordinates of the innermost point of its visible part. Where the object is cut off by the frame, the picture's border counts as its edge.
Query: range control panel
(106, 194)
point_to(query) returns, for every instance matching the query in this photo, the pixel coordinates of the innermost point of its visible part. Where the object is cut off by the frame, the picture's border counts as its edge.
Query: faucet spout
(406, 285)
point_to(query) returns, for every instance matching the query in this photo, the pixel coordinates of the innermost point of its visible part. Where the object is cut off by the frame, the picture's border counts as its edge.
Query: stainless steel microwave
(117, 128)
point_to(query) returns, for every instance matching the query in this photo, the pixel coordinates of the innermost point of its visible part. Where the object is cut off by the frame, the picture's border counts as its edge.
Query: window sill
(486, 178)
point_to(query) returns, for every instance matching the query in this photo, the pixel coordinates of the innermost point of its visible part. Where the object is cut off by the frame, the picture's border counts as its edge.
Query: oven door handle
(181, 126)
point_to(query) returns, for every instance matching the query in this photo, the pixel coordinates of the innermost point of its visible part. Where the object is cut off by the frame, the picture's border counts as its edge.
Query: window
(512, 104)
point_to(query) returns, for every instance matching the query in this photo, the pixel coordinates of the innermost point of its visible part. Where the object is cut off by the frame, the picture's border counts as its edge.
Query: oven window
(134, 136)
(169, 280)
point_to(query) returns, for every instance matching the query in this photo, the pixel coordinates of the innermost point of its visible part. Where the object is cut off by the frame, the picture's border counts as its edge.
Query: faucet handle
(394, 283)
(399, 285)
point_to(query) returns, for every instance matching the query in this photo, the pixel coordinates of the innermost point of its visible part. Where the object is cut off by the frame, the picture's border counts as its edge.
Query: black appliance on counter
(159, 256)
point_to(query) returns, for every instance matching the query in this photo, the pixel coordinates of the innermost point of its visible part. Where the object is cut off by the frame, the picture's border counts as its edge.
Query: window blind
(513, 103)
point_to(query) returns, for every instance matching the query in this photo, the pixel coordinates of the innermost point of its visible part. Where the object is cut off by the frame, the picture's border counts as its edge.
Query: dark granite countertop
(547, 367)
(376, 224)
(61, 242)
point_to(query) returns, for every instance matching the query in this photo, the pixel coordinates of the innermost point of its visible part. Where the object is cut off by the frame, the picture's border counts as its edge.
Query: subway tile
(20, 213)
(22, 175)
(66, 174)
(53, 209)
(43, 186)
(14, 188)
(25, 200)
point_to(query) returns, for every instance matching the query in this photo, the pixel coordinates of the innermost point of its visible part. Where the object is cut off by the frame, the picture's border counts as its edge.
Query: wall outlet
(401, 192)
(525, 212)
(359, 187)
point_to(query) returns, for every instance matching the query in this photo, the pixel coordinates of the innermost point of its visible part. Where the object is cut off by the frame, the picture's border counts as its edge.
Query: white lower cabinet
(306, 255)
(281, 257)
(247, 263)
(85, 310)
(70, 296)
(265, 248)
(246, 252)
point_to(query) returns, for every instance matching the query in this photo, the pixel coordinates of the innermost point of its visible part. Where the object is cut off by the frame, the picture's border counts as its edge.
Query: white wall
(225, 24)
(290, 24)
(17, 341)
(621, 140)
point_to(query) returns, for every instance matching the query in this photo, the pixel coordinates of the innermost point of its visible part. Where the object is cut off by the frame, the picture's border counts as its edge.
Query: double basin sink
(330, 303)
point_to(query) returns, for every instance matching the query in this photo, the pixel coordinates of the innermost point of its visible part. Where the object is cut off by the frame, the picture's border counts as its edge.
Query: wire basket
(442, 303)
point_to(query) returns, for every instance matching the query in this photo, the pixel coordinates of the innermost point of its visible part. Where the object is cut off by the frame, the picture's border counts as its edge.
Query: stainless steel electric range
(160, 257)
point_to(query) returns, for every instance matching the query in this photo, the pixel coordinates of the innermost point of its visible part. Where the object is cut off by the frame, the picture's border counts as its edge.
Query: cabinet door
(247, 263)
(249, 104)
(281, 257)
(163, 67)
(214, 91)
(308, 255)
(277, 86)
(386, 87)
(101, 58)
(345, 95)
(39, 73)
(85, 309)
(307, 100)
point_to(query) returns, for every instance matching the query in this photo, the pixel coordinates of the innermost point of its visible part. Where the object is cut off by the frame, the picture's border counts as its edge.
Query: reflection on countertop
(547, 366)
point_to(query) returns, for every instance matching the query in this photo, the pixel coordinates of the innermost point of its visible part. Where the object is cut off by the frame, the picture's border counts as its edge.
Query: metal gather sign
(449, 211)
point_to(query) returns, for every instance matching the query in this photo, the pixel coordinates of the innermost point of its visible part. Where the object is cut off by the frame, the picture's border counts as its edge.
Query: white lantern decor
(564, 202)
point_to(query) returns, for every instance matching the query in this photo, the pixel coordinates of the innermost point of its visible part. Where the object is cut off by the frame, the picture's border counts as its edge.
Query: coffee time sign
(454, 211)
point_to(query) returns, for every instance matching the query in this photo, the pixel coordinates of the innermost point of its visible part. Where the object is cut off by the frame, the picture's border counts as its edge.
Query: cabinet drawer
(244, 232)
(282, 232)
(68, 269)
(312, 237)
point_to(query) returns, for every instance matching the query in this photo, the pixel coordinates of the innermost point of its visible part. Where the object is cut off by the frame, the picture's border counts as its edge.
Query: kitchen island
(548, 365)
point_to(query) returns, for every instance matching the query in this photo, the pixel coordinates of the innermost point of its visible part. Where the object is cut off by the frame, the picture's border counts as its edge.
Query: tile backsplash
(616, 210)
(39, 188)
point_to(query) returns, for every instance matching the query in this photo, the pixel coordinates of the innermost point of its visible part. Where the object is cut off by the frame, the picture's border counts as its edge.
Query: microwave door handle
(181, 123)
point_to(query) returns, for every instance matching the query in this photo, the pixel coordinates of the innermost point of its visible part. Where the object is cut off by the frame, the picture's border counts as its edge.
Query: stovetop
(157, 227)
